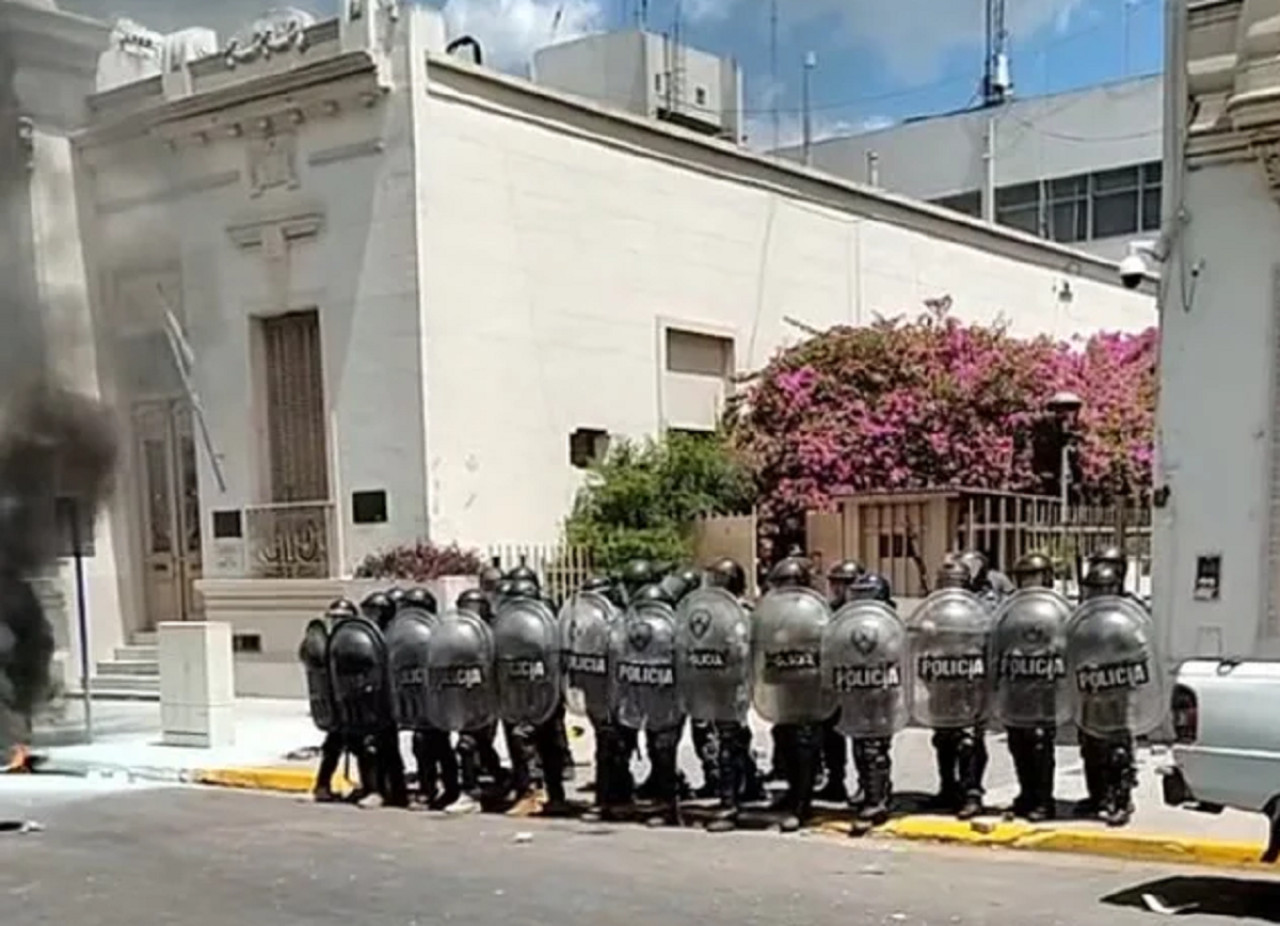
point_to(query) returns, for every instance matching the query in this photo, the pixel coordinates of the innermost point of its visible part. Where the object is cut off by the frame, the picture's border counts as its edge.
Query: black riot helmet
(1034, 570)
(791, 572)
(846, 572)
(636, 574)
(396, 594)
(523, 573)
(341, 607)
(597, 584)
(653, 592)
(675, 586)
(1113, 555)
(475, 602)
(953, 573)
(728, 574)
(870, 586)
(490, 576)
(504, 588)
(419, 597)
(379, 608)
(691, 576)
(525, 588)
(1102, 578)
(978, 568)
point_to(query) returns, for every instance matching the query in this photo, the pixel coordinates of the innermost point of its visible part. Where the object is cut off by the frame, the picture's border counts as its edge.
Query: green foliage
(642, 500)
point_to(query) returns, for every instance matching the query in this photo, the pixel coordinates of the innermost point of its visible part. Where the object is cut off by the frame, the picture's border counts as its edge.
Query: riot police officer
(1029, 651)
(864, 660)
(381, 607)
(728, 574)
(644, 691)
(956, 673)
(314, 655)
(790, 622)
(420, 598)
(476, 753)
(835, 748)
(1107, 750)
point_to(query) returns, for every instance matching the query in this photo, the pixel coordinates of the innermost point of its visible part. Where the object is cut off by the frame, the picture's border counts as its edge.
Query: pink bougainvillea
(934, 402)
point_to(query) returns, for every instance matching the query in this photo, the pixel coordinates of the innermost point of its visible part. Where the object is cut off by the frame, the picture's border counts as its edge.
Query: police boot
(468, 763)
(391, 765)
(808, 742)
(706, 742)
(608, 745)
(729, 769)
(330, 756)
(971, 762)
(1042, 762)
(1117, 807)
(551, 758)
(663, 745)
(945, 749)
(447, 761)
(875, 773)
(1019, 751)
(784, 758)
(1093, 756)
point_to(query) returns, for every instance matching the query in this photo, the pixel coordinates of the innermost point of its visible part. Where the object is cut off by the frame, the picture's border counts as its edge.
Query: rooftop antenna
(774, 90)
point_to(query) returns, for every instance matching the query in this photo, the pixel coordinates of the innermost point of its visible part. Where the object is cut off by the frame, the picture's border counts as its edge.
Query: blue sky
(878, 60)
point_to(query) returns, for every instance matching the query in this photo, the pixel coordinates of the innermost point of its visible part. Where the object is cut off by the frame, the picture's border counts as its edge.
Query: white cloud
(915, 35)
(791, 128)
(512, 30)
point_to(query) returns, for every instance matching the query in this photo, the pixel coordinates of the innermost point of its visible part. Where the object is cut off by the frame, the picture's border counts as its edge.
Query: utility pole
(996, 86)
(775, 91)
(810, 62)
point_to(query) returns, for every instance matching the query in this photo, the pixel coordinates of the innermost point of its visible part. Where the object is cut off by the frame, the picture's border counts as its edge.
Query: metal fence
(562, 568)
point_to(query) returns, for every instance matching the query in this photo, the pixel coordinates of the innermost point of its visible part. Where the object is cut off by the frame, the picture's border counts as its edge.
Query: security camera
(1133, 269)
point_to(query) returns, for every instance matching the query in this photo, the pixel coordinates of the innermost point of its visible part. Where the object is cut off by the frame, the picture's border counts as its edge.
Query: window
(657, 82)
(588, 446)
(295, 417)
(1069, 208)
(1115, 202)
(1152, 175)
(966, 203)
(700, 95)
(699, 354)
(1019, 207)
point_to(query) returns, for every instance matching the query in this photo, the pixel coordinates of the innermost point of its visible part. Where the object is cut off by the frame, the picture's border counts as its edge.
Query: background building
(651, 75)
(1081, 168)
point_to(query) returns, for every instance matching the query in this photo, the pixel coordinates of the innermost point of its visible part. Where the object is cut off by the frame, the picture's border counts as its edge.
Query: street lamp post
(1065, 408)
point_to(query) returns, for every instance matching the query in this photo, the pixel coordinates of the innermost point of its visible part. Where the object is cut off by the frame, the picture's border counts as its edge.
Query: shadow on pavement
(1241, 898)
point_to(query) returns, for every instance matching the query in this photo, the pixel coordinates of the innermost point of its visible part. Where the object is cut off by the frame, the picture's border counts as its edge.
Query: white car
(1226, 748)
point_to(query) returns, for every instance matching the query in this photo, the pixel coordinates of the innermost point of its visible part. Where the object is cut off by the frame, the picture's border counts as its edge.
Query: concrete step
(132, 667)
(145, 638)
(149, 683)
(110, 693)
(137, 653)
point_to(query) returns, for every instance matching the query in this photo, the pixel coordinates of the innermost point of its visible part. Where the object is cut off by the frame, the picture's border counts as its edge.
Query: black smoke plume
(58, 454)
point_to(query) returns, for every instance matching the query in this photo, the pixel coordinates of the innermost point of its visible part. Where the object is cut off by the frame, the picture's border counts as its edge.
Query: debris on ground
(522, 838)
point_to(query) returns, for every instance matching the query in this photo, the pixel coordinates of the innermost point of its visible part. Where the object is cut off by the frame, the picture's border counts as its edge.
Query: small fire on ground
(19, 761)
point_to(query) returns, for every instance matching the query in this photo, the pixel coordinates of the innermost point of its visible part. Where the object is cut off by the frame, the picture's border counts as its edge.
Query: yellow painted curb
(1107, 843)
(288, 780)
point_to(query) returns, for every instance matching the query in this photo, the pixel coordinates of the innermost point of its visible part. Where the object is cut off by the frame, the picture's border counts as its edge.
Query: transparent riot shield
(950, 680)
(864, 667)
(787, 660)
(460, 673)
(713, 646)
(586, 621)
(1115, 669)
(1029, 652)
(408, 646)
(359, 668)
(526, 649)
(314, 656)
(643, 647)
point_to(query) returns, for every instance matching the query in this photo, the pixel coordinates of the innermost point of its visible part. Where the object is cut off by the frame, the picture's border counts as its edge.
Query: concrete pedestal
(197, 684)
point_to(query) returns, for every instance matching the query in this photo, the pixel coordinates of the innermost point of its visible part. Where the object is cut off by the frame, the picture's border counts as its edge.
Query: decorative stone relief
(278, 31)
(273, 163)
(1267, 150)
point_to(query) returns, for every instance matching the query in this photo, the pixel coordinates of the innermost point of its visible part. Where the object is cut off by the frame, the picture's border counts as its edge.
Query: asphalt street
(114, 854)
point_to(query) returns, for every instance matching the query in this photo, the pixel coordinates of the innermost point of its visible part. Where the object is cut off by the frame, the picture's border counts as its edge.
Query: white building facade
(1217, 520)
(1080, 168)
(421, 297)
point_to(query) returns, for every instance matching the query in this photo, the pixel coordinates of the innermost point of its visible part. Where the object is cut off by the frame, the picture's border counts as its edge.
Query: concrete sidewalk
(276, 742)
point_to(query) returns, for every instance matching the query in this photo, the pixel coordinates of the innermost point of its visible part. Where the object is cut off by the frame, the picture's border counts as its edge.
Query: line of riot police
(646, 652)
